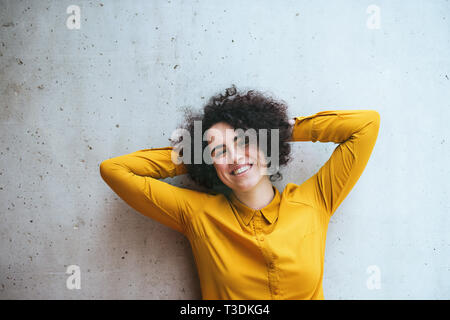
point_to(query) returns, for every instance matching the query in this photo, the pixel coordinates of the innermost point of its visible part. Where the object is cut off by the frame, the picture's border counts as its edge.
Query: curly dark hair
(250, 110)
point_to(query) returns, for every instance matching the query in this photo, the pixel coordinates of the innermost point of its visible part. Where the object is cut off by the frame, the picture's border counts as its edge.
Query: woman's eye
(244, 140)
(219, 153)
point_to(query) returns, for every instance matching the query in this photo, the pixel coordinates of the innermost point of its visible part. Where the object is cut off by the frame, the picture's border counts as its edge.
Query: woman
(249, 240)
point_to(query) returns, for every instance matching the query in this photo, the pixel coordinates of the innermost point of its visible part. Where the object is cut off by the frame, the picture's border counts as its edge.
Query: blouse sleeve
(134, 177)
(356, 132)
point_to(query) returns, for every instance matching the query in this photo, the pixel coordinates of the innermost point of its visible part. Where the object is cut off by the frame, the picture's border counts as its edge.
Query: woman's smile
(243, 170)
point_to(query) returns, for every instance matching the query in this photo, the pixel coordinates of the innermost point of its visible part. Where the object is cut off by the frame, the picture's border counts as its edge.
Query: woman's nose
(237, 155)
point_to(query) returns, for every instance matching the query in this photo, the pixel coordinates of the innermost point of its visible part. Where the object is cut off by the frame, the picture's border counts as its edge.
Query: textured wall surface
(72, 97)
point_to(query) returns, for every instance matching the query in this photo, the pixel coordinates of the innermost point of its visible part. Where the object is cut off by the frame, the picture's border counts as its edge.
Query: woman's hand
(291, 123)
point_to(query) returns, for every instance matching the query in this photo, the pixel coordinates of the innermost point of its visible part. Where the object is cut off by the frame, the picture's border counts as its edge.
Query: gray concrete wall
(71, 98)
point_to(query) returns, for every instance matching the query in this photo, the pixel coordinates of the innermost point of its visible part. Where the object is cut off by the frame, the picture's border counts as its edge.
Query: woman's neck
(259, 196)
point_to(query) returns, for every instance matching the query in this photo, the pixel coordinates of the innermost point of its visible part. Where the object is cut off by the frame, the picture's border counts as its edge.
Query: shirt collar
(270, 212)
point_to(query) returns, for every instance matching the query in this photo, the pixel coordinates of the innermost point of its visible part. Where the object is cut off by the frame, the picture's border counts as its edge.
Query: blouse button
(261, 238)
(272, 265)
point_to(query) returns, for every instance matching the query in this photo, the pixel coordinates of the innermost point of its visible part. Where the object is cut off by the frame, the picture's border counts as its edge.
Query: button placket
(273, 279)
(257, 222)
(272, 275)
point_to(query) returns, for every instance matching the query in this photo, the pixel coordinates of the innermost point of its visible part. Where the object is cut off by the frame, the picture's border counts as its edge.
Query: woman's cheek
(222, 169)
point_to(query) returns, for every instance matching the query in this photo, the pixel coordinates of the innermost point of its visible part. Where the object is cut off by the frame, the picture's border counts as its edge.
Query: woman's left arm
(356, 131)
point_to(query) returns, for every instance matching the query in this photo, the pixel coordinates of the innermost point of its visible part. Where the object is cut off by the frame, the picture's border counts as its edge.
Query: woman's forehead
(220, 132)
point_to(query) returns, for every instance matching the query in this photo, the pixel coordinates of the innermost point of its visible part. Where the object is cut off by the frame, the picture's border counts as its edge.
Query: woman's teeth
(241, 170)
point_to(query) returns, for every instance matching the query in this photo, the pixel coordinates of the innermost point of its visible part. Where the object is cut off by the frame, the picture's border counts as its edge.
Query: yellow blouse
(241, 253)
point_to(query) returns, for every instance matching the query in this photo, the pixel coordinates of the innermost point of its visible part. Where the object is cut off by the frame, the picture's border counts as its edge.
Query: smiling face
(231, 152)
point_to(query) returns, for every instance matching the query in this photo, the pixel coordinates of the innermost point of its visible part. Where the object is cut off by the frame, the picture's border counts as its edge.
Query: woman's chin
(245, 184)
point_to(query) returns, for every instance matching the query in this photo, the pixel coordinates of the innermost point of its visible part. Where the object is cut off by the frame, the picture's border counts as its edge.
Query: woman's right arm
(134, 178)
